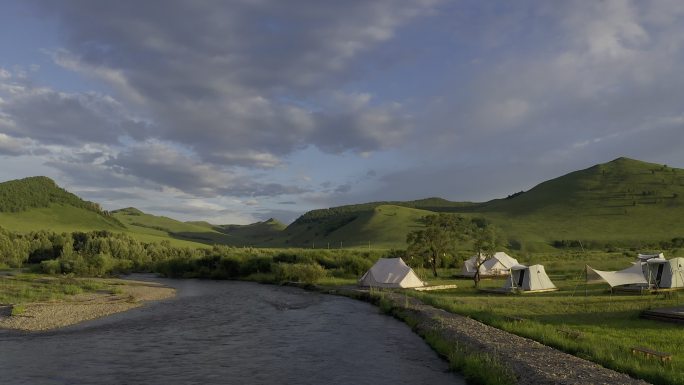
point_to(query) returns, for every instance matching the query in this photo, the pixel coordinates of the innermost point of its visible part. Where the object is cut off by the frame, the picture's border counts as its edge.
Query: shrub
(298, 272)
(18, 310)
(52, 266)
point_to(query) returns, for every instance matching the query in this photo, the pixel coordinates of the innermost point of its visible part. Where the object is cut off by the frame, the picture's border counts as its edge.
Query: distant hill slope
(36, 192)
(203, 232)
(254, 234)
(381, 225)
(621, 202)
(624, 202)
(37, 203)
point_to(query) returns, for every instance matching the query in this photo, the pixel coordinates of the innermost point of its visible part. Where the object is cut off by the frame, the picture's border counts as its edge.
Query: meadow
(21, 288)
(585, 320)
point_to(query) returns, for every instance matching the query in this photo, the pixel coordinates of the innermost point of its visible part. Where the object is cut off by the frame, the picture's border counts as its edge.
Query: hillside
(200, 231)
(381, 225)
(622, 202)
(38, 203)
(38, 192)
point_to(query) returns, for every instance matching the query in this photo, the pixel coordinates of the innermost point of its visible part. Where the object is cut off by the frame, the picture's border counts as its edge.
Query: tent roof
(631, 275)
(391, 272)
(645, 257)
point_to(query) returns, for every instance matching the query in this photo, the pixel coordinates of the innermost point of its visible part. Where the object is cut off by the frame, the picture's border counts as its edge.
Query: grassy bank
(591, 323)
(34, 302)
(25, 288)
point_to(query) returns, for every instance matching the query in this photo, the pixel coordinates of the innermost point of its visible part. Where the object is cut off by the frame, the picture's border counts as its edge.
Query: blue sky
(237, 111)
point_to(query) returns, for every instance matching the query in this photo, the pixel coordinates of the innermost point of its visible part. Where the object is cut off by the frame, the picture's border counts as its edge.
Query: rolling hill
(624, 202)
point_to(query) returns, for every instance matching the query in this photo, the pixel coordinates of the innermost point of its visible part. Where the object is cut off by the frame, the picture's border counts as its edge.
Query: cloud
(242, 83)
(14, 146)
(52, 117)
(169, 165)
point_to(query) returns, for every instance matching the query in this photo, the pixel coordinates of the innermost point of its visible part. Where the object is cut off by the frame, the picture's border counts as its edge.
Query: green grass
(57, 218)
(609, 324)
(25, 288)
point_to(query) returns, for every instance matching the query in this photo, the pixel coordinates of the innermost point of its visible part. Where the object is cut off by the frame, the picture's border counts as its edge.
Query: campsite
(585, 319)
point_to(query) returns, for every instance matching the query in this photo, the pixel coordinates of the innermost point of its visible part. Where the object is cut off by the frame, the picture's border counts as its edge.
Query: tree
(439, 237)
(486, 239)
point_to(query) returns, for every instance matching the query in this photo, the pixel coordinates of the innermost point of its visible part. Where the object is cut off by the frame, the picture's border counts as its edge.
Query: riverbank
(109, 297)
(484, 354)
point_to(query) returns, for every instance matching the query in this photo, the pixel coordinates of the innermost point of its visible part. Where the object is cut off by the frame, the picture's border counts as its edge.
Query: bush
(298, 272)
(52, 266)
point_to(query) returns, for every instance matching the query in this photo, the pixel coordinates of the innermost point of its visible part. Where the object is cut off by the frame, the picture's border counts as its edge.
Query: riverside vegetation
(606, 325)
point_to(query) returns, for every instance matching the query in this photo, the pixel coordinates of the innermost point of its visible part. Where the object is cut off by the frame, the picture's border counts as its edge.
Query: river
(223, 332)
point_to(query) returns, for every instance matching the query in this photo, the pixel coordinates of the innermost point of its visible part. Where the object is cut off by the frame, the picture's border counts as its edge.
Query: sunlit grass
(603, 326)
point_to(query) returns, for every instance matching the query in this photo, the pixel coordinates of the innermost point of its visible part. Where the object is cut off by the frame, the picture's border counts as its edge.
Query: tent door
(659, 275)
(521, 278)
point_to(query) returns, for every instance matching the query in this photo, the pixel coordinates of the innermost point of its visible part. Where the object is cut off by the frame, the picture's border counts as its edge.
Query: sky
(239, 111)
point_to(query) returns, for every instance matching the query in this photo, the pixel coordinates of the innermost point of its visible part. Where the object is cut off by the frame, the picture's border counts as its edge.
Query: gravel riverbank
(82, 307)
(531, 362)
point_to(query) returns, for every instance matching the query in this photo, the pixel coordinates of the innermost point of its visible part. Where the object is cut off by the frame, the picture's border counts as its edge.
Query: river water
(222, 332)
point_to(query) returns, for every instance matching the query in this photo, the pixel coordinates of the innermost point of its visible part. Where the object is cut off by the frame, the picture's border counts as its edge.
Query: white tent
(665, 274)
(499, 264)
(529, 278)
(646, 257)
(391, 273)
(470, 266)
(633, 275)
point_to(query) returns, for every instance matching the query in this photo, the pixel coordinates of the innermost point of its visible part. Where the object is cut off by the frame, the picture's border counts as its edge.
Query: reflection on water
(228, 333)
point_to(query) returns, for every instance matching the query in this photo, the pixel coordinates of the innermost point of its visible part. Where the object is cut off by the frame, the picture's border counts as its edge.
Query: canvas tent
(633, 275)
(499, 264)
(529, 279)
(646, 257)
(470, 266)
(390, 273)
(665, 274)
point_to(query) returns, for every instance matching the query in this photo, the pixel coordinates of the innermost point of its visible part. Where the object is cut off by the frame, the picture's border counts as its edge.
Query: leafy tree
(439, 237)
(486, 239)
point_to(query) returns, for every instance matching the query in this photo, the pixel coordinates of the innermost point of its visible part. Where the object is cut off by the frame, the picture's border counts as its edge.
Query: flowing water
(219, 332)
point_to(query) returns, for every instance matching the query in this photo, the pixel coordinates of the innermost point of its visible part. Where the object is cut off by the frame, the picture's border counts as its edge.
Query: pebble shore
(531, 362)
(82, 307)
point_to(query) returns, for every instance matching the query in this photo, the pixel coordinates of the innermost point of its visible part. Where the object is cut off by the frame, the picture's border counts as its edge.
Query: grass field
(25, 288)
(595, 324)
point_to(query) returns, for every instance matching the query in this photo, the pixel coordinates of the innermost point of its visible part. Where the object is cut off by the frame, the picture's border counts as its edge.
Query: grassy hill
(622, 202)
(38, 203)
(383, 225)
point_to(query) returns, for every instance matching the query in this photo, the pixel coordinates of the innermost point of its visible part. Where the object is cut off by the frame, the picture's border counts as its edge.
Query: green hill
(259, 233)
(38, 203)
(381, 225)
(622, 202)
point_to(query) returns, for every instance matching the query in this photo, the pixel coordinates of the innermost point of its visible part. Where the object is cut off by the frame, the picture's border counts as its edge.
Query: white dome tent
(499, 264)
(391, 273)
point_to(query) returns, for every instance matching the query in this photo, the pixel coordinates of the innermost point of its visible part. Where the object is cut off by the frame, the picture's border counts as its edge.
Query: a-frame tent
(391, 273)
(529, 279)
